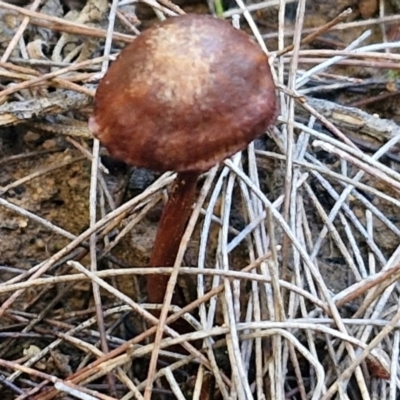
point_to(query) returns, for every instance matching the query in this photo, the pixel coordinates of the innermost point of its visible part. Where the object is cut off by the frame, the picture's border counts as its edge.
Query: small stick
(313, 35)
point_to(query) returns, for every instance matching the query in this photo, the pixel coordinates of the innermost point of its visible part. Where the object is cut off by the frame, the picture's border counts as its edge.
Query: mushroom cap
(184, 95)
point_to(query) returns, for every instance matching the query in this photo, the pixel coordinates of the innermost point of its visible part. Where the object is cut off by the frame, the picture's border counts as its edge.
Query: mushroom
(183, 96)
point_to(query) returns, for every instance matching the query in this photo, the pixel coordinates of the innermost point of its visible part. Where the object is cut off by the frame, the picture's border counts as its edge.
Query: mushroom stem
(170, 231)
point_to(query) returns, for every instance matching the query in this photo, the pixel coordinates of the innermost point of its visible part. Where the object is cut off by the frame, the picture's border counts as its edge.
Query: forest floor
(299, 300)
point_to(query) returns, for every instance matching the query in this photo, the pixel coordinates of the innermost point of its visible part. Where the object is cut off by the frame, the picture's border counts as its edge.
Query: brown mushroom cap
(186, 94)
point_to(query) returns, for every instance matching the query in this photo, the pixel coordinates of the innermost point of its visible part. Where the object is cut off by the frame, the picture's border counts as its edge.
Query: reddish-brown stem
(170, 230)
